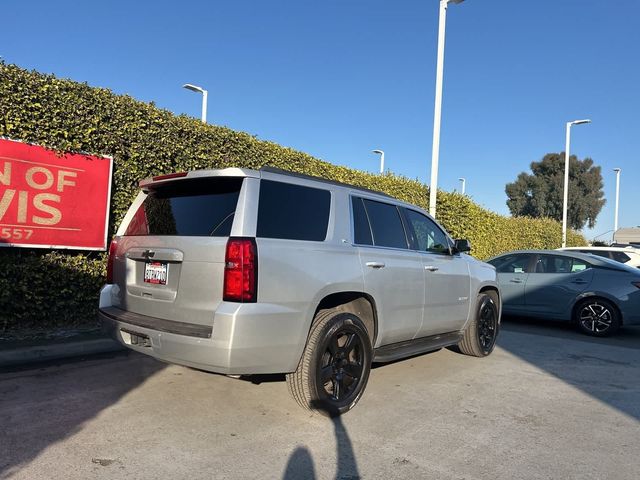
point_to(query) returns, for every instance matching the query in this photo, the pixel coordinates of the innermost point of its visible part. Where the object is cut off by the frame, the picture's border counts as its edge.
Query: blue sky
(338, 78)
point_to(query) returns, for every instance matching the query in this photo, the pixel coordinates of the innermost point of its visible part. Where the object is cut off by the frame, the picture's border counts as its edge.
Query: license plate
(156, 273)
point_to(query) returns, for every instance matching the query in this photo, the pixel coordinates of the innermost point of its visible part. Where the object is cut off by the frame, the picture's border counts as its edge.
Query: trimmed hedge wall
(43, 289)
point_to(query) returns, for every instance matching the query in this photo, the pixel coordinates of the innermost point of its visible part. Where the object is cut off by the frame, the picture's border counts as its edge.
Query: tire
(597, 317)
(335, 365)
(481, 333)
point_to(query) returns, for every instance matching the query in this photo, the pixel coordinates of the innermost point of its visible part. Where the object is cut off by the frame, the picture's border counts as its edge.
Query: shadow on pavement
(44, 404)
(627, 337)
(300, 463)
(604, 368)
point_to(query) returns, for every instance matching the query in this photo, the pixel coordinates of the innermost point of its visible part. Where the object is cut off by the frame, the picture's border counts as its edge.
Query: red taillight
(241, 270)
(113, 246)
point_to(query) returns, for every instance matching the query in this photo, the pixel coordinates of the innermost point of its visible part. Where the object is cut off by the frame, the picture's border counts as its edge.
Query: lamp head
(580, 122)
(193, 88)
(379, 152)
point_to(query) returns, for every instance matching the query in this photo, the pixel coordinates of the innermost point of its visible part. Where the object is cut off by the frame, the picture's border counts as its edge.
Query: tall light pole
(195, 88)
(566, 178)
(435, 148)
(381, 153)
(615, 221)
(463, 182)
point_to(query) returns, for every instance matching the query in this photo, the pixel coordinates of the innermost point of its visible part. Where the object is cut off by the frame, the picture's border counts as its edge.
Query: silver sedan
(597, 294)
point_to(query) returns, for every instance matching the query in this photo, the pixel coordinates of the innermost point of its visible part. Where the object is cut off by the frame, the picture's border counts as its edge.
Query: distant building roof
(627, 235)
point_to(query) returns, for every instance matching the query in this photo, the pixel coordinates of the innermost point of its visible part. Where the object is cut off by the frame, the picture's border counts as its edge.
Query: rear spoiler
(226, 172)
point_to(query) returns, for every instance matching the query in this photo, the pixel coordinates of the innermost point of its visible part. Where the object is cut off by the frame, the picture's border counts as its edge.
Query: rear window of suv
(189, 207)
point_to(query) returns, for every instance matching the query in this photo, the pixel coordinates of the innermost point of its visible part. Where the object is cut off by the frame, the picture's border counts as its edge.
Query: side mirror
(463, 245)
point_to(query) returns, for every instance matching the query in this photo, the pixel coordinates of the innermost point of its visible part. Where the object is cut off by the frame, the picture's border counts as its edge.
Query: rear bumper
(245, 339)
(167, 326)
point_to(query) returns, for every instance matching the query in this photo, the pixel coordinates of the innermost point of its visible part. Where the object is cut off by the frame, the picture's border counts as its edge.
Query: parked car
(248, 272)
(627, 255)
(598, 294)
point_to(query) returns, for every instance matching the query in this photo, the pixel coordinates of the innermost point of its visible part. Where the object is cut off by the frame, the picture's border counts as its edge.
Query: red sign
(52, 201)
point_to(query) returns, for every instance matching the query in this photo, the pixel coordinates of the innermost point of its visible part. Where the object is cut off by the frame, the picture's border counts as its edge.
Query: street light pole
(195, 88)
(437, 111)
(566, 178)
(615, 221)
(381, 153)
(463, 181)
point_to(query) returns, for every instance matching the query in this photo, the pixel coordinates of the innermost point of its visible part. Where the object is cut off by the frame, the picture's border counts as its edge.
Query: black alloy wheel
(335, 365)
(480, 335)
(597, 317)
(487, 324)
(341, 366)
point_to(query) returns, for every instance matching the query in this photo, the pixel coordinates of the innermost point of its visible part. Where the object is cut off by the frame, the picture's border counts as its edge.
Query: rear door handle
(431, 268)
(579, 281)
(516, 280)
(375, 264)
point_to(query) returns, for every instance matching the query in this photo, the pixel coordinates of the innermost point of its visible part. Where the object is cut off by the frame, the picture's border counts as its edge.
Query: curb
(56, 351)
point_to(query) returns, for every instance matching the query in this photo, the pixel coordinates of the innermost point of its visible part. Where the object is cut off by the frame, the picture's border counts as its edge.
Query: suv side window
(386, 224)
(427, 236)
(293, 212)
(361, 227)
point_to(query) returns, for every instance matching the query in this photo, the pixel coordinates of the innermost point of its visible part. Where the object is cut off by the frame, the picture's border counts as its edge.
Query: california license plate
(156, 273)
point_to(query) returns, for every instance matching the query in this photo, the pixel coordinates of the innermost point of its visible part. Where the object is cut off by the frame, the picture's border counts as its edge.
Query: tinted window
(386, 224)
(599, 253)
(361, 228)
(190, 207)
(512, 263)
(293, 212)
(426, 235)
(558, 264)
(620, 257)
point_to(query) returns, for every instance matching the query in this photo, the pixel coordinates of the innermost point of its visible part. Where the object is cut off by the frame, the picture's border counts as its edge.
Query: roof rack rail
(320, 179)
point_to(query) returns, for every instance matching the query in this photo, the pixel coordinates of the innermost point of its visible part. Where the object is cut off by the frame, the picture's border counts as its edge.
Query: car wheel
(334, 368)
(481, 333)
(597, 317)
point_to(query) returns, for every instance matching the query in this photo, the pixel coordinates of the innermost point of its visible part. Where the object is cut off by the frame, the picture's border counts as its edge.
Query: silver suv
(250, 272)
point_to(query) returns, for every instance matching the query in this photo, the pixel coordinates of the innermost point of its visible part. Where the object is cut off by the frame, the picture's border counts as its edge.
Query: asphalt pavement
(549, 403)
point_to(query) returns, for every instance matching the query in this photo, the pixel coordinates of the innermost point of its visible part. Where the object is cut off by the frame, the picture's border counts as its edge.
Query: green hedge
(44, 289)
